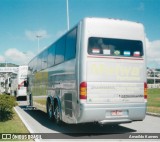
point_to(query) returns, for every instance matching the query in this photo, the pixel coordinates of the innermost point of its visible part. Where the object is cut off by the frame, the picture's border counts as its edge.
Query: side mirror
(25, 83)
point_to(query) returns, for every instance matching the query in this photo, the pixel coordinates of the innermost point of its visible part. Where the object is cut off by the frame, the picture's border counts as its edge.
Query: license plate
(117, 113)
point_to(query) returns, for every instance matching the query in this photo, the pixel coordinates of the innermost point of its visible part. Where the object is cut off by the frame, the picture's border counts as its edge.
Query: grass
(153, 110)
(15, 125)
(153, 104)
(41, 101)
(154, 91)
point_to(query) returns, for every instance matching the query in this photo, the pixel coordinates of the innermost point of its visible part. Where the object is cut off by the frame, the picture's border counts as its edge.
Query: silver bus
(96, 72)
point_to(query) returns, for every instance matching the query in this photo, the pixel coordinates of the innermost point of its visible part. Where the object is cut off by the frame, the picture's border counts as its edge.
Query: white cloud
(13, 55)
(153, 53)
(32, 35)
(2, 59)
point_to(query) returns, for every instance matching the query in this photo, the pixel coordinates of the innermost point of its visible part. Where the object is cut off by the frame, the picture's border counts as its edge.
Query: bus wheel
(57, 114)
(50, 110)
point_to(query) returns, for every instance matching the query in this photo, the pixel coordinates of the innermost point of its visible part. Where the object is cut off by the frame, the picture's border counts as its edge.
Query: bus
(2, 84)
(7, 85)
(14, 86)
(95, 72)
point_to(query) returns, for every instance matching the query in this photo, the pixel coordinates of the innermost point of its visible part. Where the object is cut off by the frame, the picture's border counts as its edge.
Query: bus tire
(50, 110)
(57, 114)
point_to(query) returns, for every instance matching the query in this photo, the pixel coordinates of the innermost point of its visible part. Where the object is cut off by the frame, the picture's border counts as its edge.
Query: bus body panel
(112, 113)
(62, 83)
(115, 81)
(114, 84)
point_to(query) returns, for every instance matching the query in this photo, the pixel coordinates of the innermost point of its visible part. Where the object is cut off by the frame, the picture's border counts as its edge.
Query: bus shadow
(80, 130)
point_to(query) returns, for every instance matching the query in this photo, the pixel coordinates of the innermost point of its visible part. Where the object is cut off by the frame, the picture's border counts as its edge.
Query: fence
(153, 85)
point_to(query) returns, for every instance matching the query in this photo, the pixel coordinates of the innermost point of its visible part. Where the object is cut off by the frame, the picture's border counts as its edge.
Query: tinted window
(35, 65)
(30, 66)
(44, 59)
(115, 47)
(71, 44)
(60, 50)
(51, 55)
(39, 62)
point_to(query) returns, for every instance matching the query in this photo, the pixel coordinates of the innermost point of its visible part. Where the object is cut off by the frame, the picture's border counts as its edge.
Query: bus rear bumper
(112, 113)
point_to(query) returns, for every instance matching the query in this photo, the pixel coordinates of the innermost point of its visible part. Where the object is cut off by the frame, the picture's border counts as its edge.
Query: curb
(153, 114)
(25, 123)
(23, 120)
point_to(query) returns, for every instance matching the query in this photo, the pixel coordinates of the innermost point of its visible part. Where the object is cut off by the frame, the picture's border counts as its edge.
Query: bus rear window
(115, 47)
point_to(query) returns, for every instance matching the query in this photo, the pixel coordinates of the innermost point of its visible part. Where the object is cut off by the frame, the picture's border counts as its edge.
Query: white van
(21, 78)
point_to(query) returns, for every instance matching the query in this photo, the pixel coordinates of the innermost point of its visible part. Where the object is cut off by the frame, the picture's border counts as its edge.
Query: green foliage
(154, 91)
(153, 104)
(6, 107)
(14, 125)
(154, 100)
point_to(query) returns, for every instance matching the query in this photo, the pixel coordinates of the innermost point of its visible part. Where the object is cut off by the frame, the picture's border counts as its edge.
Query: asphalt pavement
(37, 122)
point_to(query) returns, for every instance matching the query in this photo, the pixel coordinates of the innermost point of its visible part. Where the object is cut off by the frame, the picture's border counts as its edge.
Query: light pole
(38, 38)
(67, 15)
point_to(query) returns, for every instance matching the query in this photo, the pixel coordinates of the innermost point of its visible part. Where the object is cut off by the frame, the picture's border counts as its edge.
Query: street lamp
(38, 38)
(67, 14)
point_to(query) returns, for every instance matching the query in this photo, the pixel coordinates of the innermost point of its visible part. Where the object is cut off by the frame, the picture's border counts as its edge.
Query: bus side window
(71, 39)
(60, 50)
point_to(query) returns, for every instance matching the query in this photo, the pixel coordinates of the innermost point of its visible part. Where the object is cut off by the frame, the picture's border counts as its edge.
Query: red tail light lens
(83, 90)
(145, 90)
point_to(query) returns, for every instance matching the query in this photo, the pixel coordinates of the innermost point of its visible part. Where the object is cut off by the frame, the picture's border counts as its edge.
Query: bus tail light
(83, 90)
(145, 90)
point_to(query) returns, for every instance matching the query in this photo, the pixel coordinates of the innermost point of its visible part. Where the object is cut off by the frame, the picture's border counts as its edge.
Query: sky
(22, 20)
